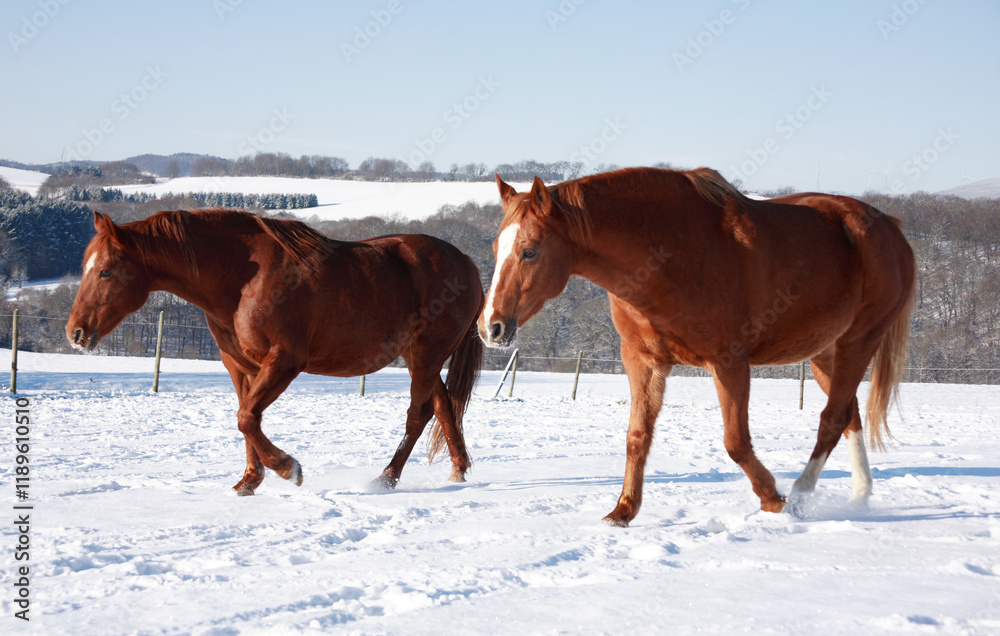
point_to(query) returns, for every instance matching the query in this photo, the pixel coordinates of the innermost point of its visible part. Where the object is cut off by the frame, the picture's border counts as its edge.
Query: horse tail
(887, 372)
(463, 371)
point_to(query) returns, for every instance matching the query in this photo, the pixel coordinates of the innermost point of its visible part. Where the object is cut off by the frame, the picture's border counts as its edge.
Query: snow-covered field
(135, 528)
(27, 180)
(340, 199)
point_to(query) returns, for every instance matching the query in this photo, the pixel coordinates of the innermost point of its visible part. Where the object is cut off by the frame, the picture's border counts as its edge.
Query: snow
(136, 530)
(984, 188)
(340, 199)
(27, 180)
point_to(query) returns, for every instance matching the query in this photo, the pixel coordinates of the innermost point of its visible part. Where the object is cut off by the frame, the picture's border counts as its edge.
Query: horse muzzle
(499, 334)
(82, 339)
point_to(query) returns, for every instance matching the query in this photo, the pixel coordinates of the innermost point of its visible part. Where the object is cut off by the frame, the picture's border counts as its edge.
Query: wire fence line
(136, 337)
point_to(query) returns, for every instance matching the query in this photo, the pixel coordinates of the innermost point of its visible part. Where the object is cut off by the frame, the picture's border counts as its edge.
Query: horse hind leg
(417, 416)
(841, 416)
(446, 425)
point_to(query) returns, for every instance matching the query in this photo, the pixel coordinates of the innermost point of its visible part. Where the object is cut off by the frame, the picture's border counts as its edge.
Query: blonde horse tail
(887, 372)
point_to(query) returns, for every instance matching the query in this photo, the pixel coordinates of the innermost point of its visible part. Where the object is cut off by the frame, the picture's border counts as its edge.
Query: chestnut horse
(699, 274)
(280, 299)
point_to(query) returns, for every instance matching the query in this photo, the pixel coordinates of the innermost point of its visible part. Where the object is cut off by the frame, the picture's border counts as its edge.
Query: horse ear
(104, 225)
(540, 194)
(506, 191)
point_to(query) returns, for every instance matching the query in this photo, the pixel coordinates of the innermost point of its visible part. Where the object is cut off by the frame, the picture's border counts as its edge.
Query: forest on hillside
(955, 335)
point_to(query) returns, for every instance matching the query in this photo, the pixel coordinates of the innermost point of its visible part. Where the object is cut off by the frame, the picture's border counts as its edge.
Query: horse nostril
(77, 335)
(496, 330)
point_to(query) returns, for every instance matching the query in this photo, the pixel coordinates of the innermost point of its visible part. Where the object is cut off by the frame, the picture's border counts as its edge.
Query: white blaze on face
(505, 251)
(90, 263)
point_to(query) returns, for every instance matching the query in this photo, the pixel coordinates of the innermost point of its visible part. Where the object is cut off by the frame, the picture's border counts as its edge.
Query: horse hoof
(386, 481)
(457, 477)
(779, 504)
(614, 521)
(294, 473)
(243, 490)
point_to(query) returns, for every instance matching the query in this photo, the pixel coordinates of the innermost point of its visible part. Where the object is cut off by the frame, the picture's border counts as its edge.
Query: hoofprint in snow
(136, 530)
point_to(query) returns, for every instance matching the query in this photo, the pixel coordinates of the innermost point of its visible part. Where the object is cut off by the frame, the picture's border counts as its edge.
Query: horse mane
(569, 197)
(567, 204)
(148, 235)
(306, 246)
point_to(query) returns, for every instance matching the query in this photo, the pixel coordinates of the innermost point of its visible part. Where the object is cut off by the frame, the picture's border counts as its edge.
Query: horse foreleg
(273, 378)
(733, 386)
(646, 385)
(254, 474)
(242, 382)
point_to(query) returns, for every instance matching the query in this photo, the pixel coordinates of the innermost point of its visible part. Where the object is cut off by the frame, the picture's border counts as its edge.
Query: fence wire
(137, 338)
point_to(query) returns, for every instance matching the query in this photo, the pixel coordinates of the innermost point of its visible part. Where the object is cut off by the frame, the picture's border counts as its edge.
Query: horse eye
(105, 273)
(529, 253)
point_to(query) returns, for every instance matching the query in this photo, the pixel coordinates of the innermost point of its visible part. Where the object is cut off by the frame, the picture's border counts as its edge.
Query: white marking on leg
(90, 263)
(861, 472)
(807, 480)
(505, 250)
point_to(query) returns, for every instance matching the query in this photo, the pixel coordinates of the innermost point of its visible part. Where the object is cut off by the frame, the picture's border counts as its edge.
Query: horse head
(534, 260)
(115, 284)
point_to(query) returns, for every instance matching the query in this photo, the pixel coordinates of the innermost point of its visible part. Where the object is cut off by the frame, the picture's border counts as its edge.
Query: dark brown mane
(149, 235)
(305, 245)
(569, 197)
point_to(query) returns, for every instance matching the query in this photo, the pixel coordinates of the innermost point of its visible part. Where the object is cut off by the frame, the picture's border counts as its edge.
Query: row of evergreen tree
(279, 164)
(273, 201)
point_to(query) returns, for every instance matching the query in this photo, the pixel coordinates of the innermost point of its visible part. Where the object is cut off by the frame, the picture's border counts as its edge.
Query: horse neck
(620, 253)
(199, 283)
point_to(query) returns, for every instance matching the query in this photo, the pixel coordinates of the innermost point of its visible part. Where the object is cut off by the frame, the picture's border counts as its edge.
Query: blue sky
(769, 92)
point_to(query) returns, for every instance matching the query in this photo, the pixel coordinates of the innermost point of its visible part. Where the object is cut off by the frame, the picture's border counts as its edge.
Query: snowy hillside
(340, 199)
(984, 188)
(135, 528)
(27, 180)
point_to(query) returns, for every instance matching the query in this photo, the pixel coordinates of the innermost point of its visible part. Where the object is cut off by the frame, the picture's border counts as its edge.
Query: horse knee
(247, 422)
(739, 449)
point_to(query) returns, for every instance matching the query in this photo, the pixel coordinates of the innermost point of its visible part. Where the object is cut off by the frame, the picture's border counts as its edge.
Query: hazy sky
(769, 92)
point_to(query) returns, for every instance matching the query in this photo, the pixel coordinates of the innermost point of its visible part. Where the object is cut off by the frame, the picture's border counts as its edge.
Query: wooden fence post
(506, 370)
(576, 380)
(513, 375)
(13, 355)
(159, 351)
(802, 381)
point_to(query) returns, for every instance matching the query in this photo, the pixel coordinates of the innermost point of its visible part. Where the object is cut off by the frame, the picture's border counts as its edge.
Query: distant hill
(153, 164)
(983, 189)
(159, 164)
